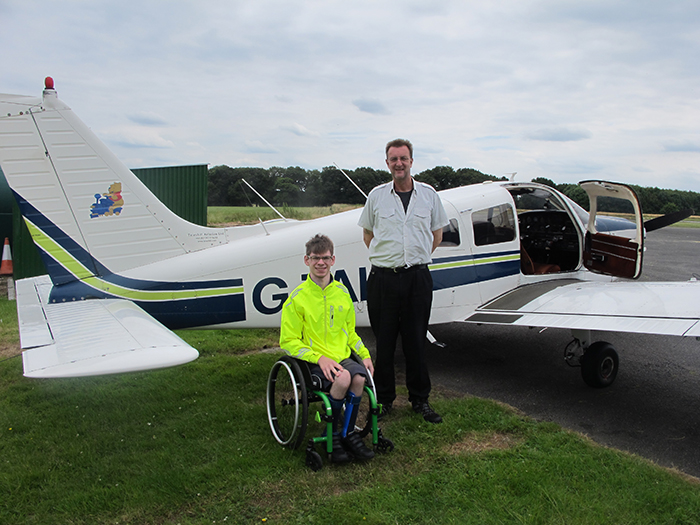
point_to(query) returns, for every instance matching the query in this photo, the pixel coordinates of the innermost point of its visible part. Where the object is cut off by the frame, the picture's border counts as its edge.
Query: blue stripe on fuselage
(451, 272)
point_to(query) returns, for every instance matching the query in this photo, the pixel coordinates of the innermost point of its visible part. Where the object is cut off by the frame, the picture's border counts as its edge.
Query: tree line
(295, 186)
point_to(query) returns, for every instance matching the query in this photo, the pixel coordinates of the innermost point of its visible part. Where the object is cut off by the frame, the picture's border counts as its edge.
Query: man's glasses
(316, 258)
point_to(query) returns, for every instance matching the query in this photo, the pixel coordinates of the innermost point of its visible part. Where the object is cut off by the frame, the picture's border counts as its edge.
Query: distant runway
(652, 409)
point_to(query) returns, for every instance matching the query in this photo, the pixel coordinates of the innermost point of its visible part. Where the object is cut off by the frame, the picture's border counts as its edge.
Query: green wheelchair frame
(290, 389)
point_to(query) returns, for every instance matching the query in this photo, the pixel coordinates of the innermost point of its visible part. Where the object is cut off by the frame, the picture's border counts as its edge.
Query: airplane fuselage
(244, 282)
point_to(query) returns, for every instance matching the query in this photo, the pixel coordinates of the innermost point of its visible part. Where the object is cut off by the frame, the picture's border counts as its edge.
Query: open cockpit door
(616, 253)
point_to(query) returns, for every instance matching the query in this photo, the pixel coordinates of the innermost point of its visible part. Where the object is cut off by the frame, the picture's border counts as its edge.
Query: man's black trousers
(399, 303)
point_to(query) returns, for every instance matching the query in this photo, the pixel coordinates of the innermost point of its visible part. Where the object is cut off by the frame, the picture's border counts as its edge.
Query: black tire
(384, 445)
(314, 460)
(287, 403)
(599, 365)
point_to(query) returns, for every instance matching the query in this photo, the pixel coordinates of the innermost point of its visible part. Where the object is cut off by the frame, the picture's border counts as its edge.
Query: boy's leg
(339, 454)
(352, 439)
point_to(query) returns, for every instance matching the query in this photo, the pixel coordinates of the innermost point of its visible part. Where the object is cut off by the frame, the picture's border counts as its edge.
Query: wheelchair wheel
(313, 460)
(287, 403)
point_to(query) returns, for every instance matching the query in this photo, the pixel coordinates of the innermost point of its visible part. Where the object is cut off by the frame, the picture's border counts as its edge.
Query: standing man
(402, 225)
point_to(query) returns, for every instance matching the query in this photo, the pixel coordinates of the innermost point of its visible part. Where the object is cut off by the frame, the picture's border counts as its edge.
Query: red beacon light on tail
(48, 83)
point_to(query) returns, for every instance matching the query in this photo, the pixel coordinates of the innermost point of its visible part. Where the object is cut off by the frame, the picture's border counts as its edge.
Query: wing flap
(93, 337)
(668, 308)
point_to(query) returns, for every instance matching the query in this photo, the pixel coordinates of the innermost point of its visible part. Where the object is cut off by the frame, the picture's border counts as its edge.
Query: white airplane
(124, 270)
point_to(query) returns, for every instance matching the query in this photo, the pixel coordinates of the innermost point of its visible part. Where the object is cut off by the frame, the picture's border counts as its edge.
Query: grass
(9, 334)
(235, 215)
(191, 445)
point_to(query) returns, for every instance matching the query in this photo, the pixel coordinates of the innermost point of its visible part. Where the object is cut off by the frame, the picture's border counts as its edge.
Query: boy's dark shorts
(348, 364)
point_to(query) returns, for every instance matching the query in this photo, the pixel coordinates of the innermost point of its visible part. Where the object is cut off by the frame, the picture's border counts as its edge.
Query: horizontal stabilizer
(667, 220)
(667, 308)
(93, 337)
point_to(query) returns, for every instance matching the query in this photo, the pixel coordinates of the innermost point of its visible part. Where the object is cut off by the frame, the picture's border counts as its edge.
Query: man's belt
(399, 269)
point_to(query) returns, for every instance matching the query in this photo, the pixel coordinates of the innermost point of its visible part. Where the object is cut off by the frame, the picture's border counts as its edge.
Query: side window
(450, 234)
(493, 225)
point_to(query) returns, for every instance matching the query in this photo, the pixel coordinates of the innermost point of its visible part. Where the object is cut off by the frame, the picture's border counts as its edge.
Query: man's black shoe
(353, 442)
(339, 454)
(424, 409)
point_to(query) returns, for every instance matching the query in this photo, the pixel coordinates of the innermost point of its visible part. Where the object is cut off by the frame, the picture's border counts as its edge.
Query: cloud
(691, 147)
(300, 130)
(147, 119)
(256, 146)
(559, 134)
(136, 137)
(533, 86)
(371, 106)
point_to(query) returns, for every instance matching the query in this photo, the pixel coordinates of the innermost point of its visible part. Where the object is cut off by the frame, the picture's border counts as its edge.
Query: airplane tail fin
(86, 211)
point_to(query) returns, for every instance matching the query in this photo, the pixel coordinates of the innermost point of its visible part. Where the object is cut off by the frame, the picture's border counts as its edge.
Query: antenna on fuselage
(265, 201)
(512, 175)
(352, 181)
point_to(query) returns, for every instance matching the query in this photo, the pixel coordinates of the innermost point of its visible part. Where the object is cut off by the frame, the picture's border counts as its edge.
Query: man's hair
(319, 243)
(397, 143)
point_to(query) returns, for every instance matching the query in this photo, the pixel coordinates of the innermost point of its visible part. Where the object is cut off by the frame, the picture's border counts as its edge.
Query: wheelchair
(290, 390)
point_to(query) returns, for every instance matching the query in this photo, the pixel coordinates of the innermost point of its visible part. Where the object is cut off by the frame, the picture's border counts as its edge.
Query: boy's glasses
(316, 258)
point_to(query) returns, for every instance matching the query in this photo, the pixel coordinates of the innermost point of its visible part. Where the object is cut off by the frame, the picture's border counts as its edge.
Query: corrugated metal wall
(6, 200)
(183, 189)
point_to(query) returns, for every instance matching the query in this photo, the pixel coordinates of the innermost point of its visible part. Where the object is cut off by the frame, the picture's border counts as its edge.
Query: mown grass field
(235, 215)
(192, 445)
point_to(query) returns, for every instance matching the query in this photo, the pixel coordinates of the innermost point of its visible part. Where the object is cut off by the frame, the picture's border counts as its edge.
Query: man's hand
(329, 367)
(368, 365)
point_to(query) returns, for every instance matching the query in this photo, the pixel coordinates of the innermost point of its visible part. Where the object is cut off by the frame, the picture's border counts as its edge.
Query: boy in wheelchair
(318, 326)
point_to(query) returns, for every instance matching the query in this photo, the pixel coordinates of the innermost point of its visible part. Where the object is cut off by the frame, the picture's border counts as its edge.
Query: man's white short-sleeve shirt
(402, 238)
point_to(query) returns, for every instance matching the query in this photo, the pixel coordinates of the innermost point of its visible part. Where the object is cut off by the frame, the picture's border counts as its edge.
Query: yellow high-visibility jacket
(318, 322)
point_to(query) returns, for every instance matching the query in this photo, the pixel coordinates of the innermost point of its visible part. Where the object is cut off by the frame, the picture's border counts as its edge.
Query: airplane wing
(665, 308)
(93, 337)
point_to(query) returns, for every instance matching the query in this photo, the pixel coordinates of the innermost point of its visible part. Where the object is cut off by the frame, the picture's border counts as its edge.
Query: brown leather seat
(529, 267)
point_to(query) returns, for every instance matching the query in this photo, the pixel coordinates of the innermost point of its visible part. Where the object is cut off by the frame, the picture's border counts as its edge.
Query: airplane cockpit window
(536, 199)
(493, 225)
(549, 241)
(450, 234)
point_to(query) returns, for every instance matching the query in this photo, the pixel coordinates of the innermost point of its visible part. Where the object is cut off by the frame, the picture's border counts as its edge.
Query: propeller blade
(666, 220)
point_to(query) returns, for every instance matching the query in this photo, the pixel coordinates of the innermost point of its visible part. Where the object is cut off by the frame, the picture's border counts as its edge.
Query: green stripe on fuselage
(475, 262)
(76, 268)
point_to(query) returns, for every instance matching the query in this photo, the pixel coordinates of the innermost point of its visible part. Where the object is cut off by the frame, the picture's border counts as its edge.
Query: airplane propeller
(667, 220)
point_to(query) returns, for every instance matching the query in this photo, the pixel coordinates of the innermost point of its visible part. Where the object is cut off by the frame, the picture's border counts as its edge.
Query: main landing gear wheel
(287, 403)
(599, 365)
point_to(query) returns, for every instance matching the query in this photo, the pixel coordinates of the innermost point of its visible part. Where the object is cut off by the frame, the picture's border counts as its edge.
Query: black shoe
(339, 454)
(386, 411)
(424, 409)
(353, 442)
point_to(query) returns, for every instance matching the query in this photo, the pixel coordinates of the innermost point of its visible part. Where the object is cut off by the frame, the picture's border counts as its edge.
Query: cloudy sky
(568, 90)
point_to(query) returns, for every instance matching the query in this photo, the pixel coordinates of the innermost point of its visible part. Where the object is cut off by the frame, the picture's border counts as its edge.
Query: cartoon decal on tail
(109, 203)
